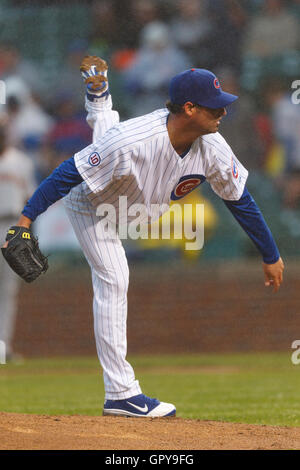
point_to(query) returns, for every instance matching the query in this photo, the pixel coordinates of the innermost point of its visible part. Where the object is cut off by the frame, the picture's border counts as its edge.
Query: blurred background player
(16, 184)
(157, 60)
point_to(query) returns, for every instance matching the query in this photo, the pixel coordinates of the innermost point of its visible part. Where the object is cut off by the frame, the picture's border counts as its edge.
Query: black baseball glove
(23, 254)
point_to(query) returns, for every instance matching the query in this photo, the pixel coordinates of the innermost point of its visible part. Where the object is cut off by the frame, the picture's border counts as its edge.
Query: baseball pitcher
(151, 160)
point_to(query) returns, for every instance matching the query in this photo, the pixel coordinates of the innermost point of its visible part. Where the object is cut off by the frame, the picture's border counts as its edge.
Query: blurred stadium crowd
(252, 45)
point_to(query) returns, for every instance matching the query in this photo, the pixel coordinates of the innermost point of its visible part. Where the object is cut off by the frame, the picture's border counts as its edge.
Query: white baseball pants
(9, 285)
(110, 276)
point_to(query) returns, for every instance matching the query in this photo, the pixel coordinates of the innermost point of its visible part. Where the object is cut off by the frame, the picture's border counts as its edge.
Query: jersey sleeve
(250, 218)
(53, 188)
(225, 174)
(103, 162)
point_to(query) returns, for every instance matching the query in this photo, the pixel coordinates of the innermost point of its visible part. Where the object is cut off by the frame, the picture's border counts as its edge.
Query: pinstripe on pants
(110, 276)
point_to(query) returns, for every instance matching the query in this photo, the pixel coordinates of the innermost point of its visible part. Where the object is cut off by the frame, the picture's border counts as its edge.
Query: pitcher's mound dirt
(21, 431)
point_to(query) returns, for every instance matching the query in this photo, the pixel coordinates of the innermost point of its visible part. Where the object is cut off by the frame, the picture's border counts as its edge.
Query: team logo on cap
(234, 168)
(185, 185)
(216, 83)
(94, 159)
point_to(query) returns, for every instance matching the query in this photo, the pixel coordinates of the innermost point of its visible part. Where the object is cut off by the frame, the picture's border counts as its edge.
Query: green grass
(248, 388)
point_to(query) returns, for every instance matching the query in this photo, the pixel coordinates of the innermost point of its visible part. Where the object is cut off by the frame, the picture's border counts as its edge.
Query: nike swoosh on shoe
(139, 408)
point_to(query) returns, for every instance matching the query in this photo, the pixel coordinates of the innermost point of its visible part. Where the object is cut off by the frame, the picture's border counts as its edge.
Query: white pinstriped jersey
(136, 159)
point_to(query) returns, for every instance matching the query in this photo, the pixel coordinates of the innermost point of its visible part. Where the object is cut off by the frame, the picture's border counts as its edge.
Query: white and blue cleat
(139, 406)
(94, 72)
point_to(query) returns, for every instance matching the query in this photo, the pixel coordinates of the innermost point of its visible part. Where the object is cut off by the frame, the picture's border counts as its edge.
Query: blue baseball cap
(201, 87)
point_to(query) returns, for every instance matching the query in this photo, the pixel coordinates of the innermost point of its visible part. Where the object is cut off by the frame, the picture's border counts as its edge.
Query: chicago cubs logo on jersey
(234, 168)
(94, 159)
(185, 185)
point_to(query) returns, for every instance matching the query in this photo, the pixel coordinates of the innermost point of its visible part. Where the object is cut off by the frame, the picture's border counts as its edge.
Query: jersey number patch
(185, 185)
(94, 159)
